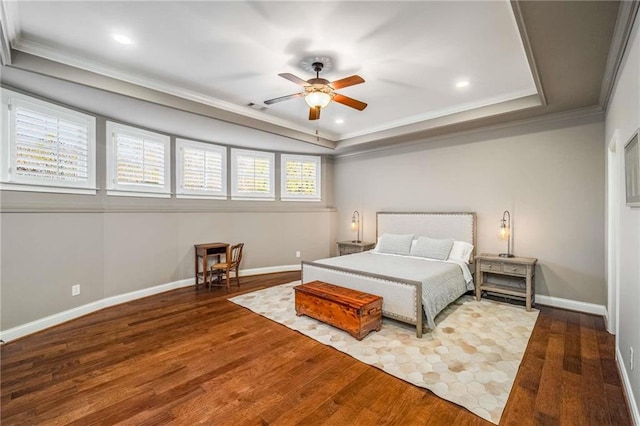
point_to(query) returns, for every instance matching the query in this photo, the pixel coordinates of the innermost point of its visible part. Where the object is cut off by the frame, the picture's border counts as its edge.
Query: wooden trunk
(353, 311)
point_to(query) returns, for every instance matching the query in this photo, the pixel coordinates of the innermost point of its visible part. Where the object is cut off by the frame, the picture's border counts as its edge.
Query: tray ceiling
(228, 55)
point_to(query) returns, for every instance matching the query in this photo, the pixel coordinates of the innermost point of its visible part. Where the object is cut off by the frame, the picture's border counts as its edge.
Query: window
(201, 170)
(137, 162)
(300, 177)
(50, 149)
(252, 175)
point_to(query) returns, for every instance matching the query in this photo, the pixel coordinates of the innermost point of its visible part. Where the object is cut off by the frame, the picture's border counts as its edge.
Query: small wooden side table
(490, 266)
(203, 251)
(348, 247)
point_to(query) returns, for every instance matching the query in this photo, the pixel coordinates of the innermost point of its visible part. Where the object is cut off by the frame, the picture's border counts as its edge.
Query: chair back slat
(236, 254)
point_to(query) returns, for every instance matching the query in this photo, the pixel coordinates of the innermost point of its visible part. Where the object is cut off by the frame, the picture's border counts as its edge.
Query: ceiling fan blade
(346, 82)
(314, 113)
(350, 102)
(293, 78)
(284, 98)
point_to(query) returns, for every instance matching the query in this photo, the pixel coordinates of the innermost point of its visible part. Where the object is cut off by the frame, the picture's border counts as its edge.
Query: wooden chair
(231, 263)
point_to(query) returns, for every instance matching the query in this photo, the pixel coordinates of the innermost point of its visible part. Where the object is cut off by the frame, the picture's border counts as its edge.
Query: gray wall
(44, 254)
(550, 175)
(622, 120)
(114, 245)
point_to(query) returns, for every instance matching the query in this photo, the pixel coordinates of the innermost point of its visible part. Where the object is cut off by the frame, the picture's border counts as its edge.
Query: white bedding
(442, 282)
(466, 272)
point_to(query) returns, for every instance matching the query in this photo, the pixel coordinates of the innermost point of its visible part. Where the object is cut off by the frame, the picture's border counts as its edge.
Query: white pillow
(395, 244)
(375, 249)
(432, 248)
(461, 250)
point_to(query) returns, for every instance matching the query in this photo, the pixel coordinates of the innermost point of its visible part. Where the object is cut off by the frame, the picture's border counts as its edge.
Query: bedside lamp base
(506, 255)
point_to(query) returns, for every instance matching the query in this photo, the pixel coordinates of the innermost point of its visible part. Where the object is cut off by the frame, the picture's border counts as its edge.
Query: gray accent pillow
(395, 244)
(432, 248)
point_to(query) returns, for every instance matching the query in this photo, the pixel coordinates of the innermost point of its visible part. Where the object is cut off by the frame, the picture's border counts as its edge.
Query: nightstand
(491, 269)
(348, 247)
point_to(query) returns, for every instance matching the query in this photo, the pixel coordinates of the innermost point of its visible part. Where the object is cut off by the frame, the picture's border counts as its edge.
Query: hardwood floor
(190, 356)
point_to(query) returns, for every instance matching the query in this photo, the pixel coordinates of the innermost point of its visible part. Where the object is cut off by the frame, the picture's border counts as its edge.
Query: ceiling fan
(318, 92)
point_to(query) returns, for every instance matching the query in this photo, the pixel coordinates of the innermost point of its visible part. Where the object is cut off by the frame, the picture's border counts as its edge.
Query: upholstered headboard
(460, 226)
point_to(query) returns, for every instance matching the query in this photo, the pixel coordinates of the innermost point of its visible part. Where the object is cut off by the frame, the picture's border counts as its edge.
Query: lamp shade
(317, 99)
(355, 225)
(504, 232)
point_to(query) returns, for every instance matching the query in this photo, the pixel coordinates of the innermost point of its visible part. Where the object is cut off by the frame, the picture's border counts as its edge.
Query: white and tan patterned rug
(471, 358)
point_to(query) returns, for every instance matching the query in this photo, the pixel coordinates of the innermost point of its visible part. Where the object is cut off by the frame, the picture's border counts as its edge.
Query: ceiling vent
(257, 107)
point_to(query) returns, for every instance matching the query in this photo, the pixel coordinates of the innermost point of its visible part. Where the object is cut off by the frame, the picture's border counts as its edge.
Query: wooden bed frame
(460, 226)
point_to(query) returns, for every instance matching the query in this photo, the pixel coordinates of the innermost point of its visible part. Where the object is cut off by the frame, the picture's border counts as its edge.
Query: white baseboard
(269, 270)
(573, 305)
(55, 319)
(631, 400)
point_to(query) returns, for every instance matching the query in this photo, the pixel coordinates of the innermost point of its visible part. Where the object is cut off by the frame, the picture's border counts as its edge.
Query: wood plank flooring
(190, 356)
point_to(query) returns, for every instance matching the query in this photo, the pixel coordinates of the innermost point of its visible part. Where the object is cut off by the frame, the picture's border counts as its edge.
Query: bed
(414, 288)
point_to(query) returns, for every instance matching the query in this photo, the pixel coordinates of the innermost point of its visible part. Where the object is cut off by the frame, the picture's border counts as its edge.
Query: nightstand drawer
(490, 266)
(514, 269)
(350, 249)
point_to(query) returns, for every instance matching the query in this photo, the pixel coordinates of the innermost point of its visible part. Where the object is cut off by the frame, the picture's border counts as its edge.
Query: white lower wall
(110, 254)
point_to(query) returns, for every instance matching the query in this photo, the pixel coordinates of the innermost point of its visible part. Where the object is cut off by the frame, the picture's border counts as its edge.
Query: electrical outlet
(631, 357)
(297, 254)
(75, 290)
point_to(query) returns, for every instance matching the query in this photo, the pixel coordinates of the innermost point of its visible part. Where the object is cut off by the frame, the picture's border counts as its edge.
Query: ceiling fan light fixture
(317, 99)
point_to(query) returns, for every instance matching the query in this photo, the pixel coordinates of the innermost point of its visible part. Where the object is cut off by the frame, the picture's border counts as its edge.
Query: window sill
(117, 193)
(306, 200)
(251, 199)
(4, 186)
(202, 197)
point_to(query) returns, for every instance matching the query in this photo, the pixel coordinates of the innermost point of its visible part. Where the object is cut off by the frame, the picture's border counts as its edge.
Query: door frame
(613, 232)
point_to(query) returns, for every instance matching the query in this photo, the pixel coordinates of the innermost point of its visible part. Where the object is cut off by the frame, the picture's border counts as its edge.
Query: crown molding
(7, 32)
(522, 103)
(423, 119)
(595, 112)
(627, 14)
(526, 44)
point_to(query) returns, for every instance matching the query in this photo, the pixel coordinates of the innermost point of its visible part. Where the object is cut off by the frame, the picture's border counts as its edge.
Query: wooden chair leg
(238, 275)
(228, 286)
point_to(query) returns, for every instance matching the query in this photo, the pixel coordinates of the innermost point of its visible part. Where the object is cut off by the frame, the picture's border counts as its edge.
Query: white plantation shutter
(201, 169)
(138, 161)
(300, 177)
(252, 174)
(49, 146)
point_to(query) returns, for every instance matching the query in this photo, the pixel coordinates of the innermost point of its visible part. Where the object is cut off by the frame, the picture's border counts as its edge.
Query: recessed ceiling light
(122, 39)
(339, 121)
(462, 83)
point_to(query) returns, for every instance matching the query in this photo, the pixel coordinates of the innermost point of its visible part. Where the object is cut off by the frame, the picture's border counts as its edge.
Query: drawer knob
(490, 266)
(513, 269)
